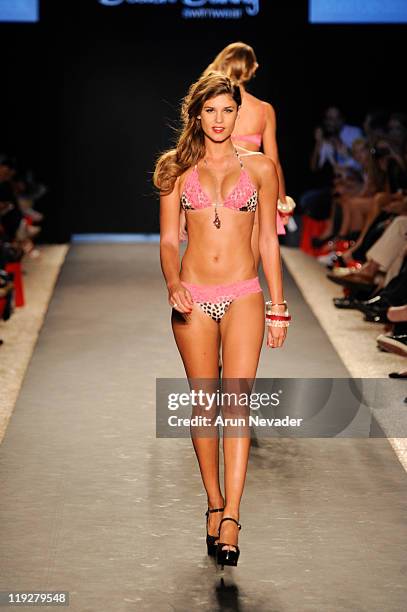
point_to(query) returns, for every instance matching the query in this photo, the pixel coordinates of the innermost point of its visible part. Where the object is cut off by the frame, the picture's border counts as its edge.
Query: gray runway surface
(94, 504)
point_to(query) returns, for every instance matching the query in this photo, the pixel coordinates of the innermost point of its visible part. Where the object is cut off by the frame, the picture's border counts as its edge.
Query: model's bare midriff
(218, 256)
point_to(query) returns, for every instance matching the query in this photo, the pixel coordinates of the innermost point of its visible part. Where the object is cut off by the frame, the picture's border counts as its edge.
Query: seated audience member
(332, 150)
(376, 306)
(12, 218)
(17, 222)
(397, 129)
(388, 180)
(368, 200)
(375, 125)
(396, 340)
(388, 305)
(349, 184)
(333, 141)
(386, 256)
(18, 194)
(27, 192)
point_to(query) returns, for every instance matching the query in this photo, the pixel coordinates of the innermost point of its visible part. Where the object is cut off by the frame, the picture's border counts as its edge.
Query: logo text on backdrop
(201, 9)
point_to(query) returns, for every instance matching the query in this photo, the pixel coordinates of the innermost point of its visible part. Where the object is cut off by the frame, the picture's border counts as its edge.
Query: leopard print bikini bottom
(216, 299)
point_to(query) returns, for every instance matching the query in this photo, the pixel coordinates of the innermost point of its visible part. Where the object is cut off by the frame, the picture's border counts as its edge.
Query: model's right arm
(169, 249)
(169, 230)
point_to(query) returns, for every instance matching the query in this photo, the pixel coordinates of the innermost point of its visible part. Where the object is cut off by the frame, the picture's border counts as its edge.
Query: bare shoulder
(175, 192)
(259, 164)
(266, 106)
(269, 110)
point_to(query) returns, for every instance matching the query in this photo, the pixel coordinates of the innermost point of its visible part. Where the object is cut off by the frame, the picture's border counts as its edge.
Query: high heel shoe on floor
(210, 540)
(227, 557)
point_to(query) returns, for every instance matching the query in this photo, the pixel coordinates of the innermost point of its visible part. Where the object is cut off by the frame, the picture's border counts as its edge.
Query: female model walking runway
(255, 127)
(256, 124)
(216, 296)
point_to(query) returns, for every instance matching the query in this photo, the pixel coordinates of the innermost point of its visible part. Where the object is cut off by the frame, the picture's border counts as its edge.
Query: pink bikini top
(243, 196)
(253, 138)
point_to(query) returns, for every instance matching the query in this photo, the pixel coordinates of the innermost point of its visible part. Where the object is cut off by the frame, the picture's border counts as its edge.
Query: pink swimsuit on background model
(257, 140)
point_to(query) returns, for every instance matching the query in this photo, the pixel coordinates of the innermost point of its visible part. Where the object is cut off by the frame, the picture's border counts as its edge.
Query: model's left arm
(270, 147)
(269, 245)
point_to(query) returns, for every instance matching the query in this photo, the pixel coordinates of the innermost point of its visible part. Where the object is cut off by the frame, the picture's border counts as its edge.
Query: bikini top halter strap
(237, 155)
(239, 158)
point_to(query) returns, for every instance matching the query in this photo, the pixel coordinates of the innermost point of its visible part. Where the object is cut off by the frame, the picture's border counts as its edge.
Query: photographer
(332, 151)
(333, 142)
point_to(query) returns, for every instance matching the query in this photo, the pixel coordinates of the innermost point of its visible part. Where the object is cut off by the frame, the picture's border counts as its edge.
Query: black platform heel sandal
(227, 557)
(210, 540)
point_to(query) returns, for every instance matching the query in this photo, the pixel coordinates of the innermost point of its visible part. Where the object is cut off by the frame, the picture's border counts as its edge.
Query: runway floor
(94, 504)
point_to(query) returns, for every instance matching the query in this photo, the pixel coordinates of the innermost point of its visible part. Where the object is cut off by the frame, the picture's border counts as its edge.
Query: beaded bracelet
(277, 319)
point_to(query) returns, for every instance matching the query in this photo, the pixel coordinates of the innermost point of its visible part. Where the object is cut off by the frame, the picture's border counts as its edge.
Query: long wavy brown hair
(190, 146)
(238, 61)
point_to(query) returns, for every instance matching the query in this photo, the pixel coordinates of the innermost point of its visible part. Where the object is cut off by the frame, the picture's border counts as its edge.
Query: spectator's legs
(346, 214)
(379, 200)
(389, 251)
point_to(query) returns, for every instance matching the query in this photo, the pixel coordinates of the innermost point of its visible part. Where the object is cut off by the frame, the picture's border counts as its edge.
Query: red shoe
(352, 263)
(342, 245)
(325, 249)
